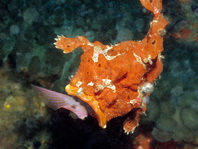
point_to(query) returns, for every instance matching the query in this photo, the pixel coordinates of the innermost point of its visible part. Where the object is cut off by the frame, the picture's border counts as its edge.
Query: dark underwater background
(28, 56)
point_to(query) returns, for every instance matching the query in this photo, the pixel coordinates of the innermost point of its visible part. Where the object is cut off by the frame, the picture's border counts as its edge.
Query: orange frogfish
(115, 79)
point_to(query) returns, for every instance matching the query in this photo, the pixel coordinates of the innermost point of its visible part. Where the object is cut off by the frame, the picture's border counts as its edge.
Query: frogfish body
(114, 79)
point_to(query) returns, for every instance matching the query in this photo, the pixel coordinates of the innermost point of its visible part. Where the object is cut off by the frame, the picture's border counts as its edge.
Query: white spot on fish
(79, 83)
(90, 84)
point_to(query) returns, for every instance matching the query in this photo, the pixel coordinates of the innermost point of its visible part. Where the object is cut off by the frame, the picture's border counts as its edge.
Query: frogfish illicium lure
(115, 79)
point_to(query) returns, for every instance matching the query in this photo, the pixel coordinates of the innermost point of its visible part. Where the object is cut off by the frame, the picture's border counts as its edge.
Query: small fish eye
(73, 106)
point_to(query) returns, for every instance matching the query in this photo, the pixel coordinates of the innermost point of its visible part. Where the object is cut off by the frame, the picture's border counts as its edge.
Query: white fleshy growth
(147, 88)
(98, 50)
